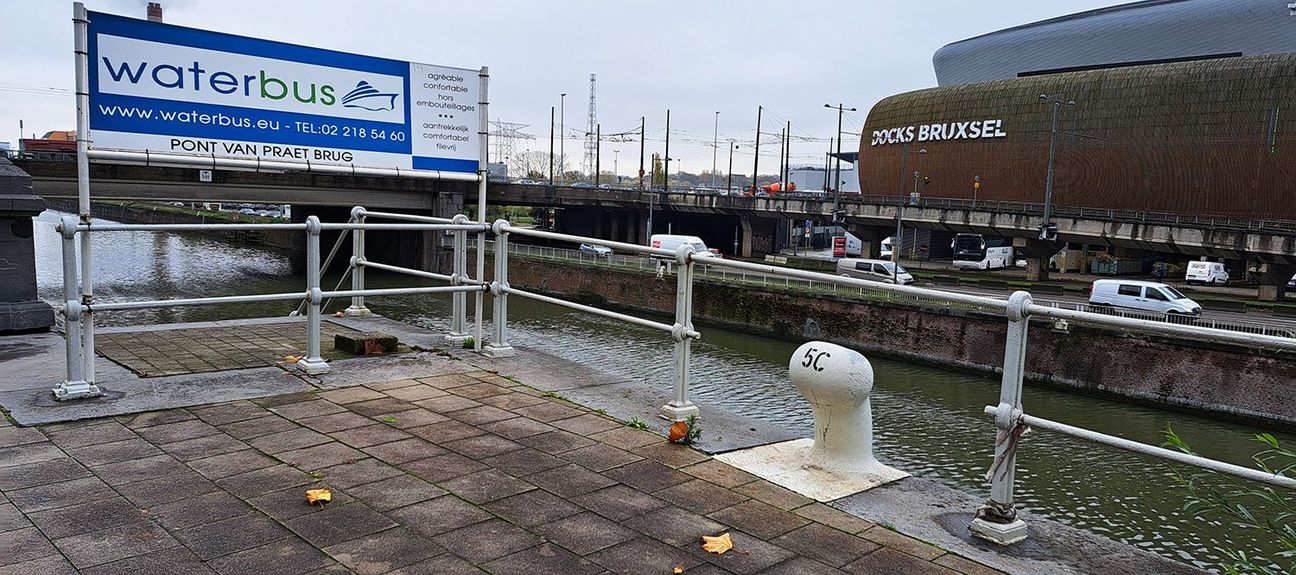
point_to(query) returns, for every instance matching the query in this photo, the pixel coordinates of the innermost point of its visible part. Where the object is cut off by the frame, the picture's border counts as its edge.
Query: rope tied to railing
(1007, 439)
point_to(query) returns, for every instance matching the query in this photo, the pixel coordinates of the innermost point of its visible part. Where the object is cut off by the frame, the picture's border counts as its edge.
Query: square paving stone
(290, 503)
(199, 510)
(151, 418)
(449, 381)
(287, 398)
(166, 489)
(543, 559)
(398, 452)
(719, 473)
(231, 535)
(671, 454)
(442, 467)
(48, 565)
(396, 492)
(170, 561)
(416, 393)
(86, 517)
(447, 403)
(524, 462)
(339, 523)
(223, 413)
(619, 502)
(106, 432)
(61, 494)
(446, 564)
(964, 565)
(892, 540)
(437, 516)
(336, 422)
(482, 446)
(113, 543)
(262, 481)
(773, 494)
(251, 428)
(123, 472)
(41, 473)
(647, 476)
(482, 415)
(380, 407)
(753, 556)
(517, 427)
(363, 471)
(759, 519)
(284, 557)
(512, 400)
(179, 431)
(388, 385)
(556, 442)
(282, 441)
(370, 435)
(486, 486)
(22, 545)
(304, 409)
(803, 566)
(587, 424)
(384, 551)
(826, 544)
(699, 496)
(320, 456)
(445, 431)
(535, 507)
(586, 532)
(11, 518)
(485, 541)
(627, 437)
(674, 526)
(113, 452)
(888, 560)
(600, 457)
(834, 518)
(642, 555)
(569, 480)
(234, 463)
(351, 395)
(548, 411)
(479, 390)
(206, 446)
(412, 418)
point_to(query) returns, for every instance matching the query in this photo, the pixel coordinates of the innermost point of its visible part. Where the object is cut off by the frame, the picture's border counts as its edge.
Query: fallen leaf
(339, 314)
(718, 544)
(320, 496)
(373, 347)
(678, 569)
(291, 358)
(678, 430)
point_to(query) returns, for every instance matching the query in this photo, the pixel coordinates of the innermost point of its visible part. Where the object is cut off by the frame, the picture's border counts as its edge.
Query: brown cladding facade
(1211, 138)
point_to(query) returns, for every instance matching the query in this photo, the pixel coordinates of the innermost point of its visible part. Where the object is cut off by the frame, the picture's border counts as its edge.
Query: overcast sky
(695, 57)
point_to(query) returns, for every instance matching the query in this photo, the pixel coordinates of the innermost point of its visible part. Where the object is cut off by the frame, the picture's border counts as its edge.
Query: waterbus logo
(367, 97)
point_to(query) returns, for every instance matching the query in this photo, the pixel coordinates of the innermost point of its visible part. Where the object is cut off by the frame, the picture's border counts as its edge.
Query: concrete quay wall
(1181, 373)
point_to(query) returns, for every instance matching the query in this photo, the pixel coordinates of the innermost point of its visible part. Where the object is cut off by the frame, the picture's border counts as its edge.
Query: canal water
(928, 421)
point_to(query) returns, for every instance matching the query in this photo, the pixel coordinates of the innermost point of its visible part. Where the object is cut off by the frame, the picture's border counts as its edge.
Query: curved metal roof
(1139, 32)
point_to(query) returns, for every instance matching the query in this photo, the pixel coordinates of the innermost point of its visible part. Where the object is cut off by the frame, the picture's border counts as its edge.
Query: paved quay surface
(464, 472)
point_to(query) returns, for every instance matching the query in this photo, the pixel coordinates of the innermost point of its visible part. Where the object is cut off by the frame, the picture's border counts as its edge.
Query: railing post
(313, 363)
(680, 408)
(357, 307)
(75, 385)
(997, 520)
(459, 300)
(499, 346)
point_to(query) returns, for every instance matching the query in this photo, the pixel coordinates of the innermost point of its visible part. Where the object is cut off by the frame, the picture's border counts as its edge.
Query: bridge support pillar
(746, 239)
(1273, 280)
(20, 309)
(1037, 254)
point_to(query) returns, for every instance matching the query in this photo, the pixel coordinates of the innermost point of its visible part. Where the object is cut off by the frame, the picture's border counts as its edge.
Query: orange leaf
(373, 347)
(291, 358)
(339, 314)
(319, 496)
(679, 430)
(718, 544)
(678, 569)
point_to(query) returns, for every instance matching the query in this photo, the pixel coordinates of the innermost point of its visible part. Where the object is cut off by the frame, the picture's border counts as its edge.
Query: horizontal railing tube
(596, 311)
(1163, 328)
(184, 227)
(149, 304)
(633, 248)
(403, 291)
(1136, 447)
(406, 271)
(406, 217)
(409, 227)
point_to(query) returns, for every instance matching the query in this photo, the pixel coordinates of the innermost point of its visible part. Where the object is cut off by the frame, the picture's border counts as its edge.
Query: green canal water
(928, 421)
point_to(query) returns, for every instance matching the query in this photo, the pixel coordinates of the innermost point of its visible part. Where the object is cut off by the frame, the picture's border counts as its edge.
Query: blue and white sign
(167, 88)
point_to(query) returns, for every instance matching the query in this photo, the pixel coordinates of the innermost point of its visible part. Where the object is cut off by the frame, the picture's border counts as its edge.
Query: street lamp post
(895, 242)
(729, 185)
(666, 166)
(837, 171)
(616, 155)
(562, 137)
(715, 147)
(1046, 227)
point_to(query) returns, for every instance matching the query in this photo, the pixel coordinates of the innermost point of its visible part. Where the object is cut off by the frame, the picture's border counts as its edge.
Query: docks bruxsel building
(1180, 106)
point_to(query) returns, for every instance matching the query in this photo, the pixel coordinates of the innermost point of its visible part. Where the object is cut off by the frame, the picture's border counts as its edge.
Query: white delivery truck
(1206, 273)
(673, 242)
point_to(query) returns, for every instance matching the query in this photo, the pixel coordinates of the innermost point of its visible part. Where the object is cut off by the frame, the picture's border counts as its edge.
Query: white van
(1204, 272)
(875, 270)
(673, 242)
(1142, 295)
(886, 248)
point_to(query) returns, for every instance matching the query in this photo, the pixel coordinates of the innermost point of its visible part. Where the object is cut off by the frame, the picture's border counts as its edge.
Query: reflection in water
(928, 421)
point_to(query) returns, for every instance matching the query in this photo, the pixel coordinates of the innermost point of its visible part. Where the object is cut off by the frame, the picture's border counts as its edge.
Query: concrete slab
(788, 464)
(941, 515)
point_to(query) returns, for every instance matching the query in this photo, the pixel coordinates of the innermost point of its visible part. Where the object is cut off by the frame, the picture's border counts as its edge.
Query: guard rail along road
(996, 520)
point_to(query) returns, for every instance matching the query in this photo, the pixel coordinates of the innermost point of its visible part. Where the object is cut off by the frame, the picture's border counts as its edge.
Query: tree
(658, 173)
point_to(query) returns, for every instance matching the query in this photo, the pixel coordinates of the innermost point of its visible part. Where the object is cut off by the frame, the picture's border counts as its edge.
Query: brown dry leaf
(718, 544)
(372, 348)
(679, 430)
(320, 496)
(678, 569)
(339, 314)
(291, 358)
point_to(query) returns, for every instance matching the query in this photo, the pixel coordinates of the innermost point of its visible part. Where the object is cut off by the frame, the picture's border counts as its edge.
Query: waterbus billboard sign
(166, 88)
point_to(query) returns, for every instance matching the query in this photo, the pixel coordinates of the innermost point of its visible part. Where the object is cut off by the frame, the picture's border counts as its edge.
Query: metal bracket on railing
(459, 300)
(680, 407)
(499, 347)
(313, 363)
(357, 307)
(75, 385)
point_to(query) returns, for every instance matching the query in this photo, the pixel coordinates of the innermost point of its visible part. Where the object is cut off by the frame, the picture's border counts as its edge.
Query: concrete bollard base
(790, 464)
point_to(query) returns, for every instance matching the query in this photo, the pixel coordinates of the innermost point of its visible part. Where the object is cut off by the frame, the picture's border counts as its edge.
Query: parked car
(595, 249)
(1291, 284)
(874, 270)
(1206, 273)
(582, 185)
(1142, 295)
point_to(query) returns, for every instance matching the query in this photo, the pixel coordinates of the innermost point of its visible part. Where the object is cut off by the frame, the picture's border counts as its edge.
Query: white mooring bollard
(839, 461)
